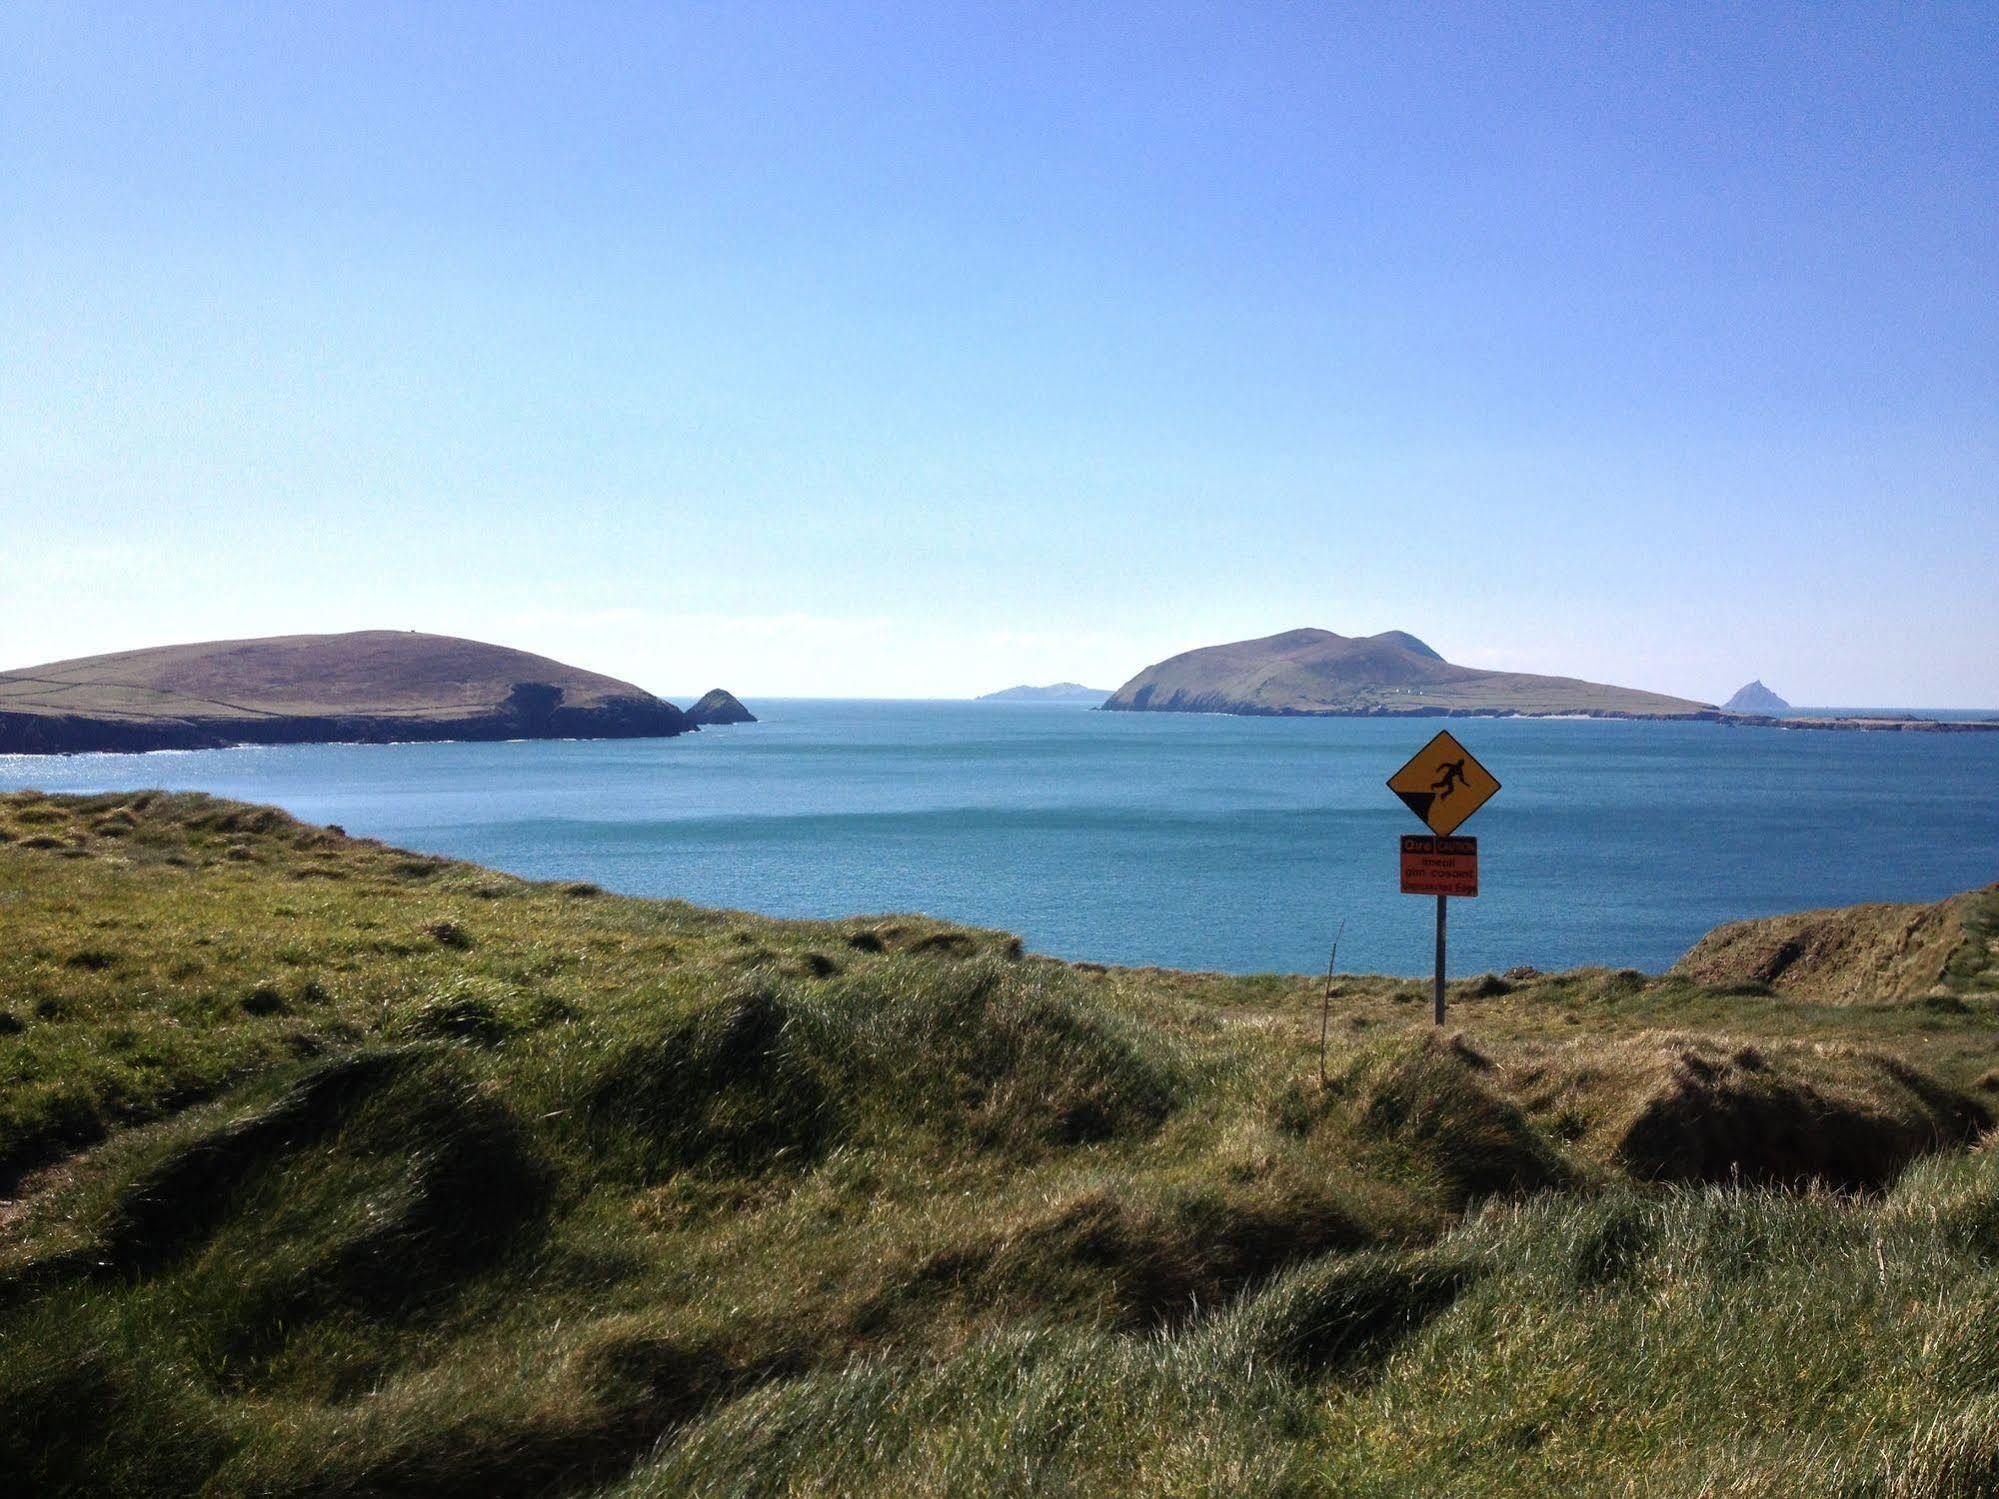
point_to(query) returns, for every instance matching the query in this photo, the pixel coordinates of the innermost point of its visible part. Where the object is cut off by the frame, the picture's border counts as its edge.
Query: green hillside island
(1317, 673)
(369, 686)
(334, 1169)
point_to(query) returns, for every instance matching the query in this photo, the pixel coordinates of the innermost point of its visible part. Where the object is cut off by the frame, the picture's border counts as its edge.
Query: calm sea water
(1194, 841)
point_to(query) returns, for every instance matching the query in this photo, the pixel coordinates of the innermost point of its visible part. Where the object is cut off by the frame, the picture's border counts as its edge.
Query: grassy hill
(337, 1169)
(369, 684)
(1858, 952)
(1318, 672)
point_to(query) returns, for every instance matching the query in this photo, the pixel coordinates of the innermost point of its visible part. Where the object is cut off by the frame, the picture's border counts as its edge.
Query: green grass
(335, 1169)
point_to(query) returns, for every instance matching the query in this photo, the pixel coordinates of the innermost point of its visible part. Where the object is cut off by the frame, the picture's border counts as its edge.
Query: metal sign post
(1439, 1012)
(1443, 785)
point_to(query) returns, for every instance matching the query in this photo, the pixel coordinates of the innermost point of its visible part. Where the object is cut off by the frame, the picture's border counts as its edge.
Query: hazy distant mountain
(370, 685)
(1756, 698)
(1318, 672)
(1055, 692)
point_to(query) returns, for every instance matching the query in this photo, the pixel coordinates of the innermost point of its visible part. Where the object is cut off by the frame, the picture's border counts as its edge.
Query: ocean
(1191, 841)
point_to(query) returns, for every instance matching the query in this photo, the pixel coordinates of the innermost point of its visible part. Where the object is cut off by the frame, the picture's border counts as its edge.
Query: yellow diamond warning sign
(1443, 784)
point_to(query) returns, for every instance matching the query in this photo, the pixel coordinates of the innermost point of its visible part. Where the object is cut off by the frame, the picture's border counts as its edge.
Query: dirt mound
(1855, 953)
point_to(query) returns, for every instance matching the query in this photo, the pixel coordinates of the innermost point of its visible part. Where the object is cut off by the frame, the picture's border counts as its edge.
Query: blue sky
(879, 350)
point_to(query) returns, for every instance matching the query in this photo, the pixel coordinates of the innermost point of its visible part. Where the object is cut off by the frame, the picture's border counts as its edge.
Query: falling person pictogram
(1450, 780)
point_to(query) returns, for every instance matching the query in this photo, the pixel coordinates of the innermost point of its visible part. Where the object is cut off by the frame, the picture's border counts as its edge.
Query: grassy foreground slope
(335, 1169)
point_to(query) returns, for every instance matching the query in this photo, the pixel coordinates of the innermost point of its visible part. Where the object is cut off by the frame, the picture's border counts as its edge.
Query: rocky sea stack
(717, 706)
(1756, 698)
(370, 686)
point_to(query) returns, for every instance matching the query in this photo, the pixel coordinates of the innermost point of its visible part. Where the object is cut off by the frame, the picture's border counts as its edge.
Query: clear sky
(908, 351)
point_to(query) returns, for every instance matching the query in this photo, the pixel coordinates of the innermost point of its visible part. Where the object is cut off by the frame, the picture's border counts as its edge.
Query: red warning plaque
(1439, 866)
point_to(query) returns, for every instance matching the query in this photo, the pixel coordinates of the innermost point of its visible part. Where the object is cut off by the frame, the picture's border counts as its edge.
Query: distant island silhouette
(1055, 692)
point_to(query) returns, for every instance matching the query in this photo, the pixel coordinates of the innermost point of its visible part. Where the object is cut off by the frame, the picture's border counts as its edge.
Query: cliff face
(1315, 672)
(370, 686)
(717, 706)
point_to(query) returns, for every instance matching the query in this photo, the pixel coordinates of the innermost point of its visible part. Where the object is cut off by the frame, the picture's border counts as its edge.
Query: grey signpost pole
(1440, 959)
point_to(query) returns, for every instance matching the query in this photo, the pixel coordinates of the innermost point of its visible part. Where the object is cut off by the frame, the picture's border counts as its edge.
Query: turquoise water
(1194, 841)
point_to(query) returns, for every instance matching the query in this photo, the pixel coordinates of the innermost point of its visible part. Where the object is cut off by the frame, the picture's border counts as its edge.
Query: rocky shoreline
(1177, 704)
(1868, 725)
(1180, 704)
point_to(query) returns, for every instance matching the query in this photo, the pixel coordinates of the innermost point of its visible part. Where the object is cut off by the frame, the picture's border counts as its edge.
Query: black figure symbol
(1452, 778)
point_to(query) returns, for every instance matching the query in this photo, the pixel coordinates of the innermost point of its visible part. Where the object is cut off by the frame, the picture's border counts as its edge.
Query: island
(1317, 673)
(1055, 692)
(368, 686)
(719, 707)
(1755, 698)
